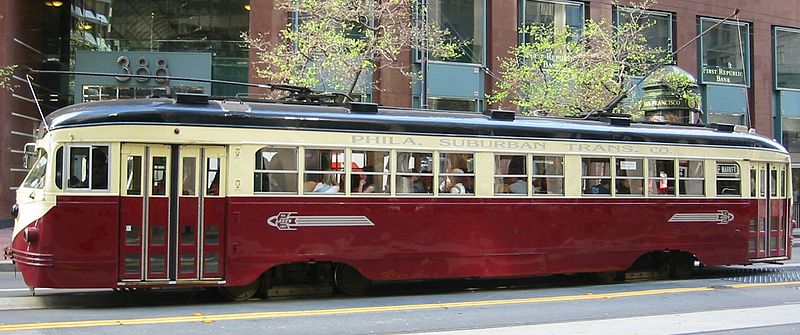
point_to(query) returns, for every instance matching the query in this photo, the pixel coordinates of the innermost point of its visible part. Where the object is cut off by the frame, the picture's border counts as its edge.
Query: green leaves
(565, 72)
(333, 43)
(5, 77)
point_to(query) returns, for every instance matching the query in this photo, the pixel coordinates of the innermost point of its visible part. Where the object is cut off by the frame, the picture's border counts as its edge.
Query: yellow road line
(360, 310)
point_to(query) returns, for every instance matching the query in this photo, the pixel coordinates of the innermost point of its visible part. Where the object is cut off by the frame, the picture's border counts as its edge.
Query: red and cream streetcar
(246, 195)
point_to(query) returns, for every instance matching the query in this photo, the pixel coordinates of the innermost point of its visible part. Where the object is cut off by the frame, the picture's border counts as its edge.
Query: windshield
(35, 178)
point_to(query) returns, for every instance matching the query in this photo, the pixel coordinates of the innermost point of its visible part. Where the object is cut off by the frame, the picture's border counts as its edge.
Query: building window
(464, 20)
(725, 53)
(787, 58)
(450, 104)
(551, 13)
(657, 27)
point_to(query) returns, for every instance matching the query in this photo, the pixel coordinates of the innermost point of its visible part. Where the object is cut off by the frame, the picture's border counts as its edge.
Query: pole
(423, 95)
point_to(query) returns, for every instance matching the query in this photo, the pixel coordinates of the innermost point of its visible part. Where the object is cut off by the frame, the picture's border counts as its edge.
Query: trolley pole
(423, 22)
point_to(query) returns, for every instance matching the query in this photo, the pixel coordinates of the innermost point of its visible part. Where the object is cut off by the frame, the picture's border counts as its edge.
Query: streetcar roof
(218, 113)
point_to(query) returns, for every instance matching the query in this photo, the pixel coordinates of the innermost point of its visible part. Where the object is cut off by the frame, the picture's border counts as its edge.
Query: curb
(7, 266)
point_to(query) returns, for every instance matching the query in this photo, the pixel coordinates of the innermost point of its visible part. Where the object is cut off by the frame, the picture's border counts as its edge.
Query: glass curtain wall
(210, 26)
(551, 13)
(464, 20)
(787, 84)
(725, 71)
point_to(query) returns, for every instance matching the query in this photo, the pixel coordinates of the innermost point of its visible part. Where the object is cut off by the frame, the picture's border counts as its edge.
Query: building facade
(748, 67)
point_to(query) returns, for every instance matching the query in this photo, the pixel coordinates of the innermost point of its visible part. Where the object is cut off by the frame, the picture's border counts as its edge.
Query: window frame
(295, 171)
(717, 179)
(775, 30)
(67, 166)
(745, 47)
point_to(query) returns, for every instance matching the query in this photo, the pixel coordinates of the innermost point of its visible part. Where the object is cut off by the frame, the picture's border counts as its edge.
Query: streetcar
(247, 195)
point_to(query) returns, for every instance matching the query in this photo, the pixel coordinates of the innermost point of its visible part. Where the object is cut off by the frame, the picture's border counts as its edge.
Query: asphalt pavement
(5, 240)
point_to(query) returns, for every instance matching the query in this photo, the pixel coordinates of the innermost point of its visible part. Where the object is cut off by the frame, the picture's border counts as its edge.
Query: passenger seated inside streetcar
(453, 184)
(363, 183)
(327, 185)
(602, 187)
(213, 189)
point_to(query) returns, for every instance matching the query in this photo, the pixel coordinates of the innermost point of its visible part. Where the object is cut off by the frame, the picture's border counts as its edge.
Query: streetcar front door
(172, 213)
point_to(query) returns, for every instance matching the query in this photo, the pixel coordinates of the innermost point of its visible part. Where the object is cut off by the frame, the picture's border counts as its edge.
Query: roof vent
(499, 114)
(362, 107)
(191, 98)
(722, 127)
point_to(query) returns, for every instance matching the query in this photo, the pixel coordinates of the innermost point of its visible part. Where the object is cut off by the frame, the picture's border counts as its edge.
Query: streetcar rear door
(201, 213)
(767, 234)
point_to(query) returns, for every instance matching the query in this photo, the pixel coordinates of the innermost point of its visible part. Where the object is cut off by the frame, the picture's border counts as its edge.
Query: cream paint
(243, 143)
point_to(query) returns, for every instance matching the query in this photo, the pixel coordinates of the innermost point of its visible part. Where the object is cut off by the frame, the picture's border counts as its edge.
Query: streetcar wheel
(241, 293)
(681, 266)
(349, 281)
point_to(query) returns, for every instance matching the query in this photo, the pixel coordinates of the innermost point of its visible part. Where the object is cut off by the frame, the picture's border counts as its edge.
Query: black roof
(164, 111)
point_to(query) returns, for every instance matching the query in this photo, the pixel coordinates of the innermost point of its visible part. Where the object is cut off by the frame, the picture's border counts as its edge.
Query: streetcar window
(728, 179)
(88, 167)
(661, 177)
(456, 176)
(511, 174)
(753, 179)
(133, 180)
(159, 176)
(773, 183)
(276, 170)
(548, 175)
(79, 168)
(783, 182)
(629, 173)
(414, 173)
(596, 176)
(324, 171)
(691, 177)
(189, 180)
(99, 165)
(59, 176)
(213, 176)
(35, 178)
(369, 172)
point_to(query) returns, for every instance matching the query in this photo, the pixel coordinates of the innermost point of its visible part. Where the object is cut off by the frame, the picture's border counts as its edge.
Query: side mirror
(29, 155)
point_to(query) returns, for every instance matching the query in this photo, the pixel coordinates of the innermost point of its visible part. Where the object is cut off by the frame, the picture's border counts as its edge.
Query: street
(741, 300)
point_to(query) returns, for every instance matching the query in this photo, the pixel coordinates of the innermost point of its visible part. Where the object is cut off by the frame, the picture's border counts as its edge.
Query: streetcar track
(362, 310)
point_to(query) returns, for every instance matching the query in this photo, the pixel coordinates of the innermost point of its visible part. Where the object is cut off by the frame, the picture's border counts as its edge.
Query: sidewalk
(5, 240)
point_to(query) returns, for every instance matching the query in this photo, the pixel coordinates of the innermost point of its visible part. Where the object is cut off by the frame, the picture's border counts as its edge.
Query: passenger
(540, 186)
(602, 187)
(417, 186)
(515, 185)
(213, 189)
(327, 185)
(453, 184)
(366, 182)
(623, 186)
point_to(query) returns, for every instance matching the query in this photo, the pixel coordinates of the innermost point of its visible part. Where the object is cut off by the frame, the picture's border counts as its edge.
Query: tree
(336, 41)
(564, 72)
(5, 77)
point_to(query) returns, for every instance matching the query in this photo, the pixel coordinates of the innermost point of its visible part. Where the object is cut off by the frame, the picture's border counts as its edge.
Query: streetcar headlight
(31, 234)
(15, 211)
